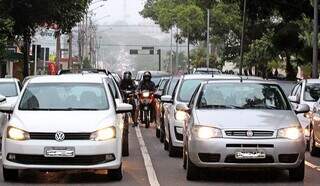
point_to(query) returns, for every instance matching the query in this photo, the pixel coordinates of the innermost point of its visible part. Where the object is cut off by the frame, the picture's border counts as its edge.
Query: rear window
(8, 89)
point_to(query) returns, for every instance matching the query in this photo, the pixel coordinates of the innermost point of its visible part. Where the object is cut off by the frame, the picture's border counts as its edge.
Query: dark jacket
(146, 85)
(127, 85)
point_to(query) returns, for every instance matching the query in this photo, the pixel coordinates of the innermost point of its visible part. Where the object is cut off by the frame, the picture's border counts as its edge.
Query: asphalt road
(163, 170)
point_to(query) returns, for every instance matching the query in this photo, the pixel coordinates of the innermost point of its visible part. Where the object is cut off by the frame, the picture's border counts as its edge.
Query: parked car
(10, 90)
(305, 92)
(182, 93)
(314, 144)
(242, 124)
(61, 123)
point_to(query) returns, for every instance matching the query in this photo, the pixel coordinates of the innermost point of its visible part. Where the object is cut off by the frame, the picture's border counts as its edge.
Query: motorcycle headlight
(17, 134)
(145, 94)
(203, 132)
(292, 133)
(104, 134)
(180, 115)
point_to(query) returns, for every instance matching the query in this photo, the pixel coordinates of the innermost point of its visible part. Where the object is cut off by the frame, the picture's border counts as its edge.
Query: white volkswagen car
(64, 122)
(242, 124)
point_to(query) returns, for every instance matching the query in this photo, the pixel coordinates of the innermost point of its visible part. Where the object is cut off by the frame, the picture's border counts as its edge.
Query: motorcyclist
(146, 84)
(127, 84)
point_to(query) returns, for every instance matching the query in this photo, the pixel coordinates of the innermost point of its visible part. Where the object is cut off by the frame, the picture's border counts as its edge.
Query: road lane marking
(153, 180)
(312, 166)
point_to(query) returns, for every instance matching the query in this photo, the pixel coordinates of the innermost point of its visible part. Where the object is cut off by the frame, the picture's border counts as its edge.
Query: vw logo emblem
(249, 133)
(59, 136)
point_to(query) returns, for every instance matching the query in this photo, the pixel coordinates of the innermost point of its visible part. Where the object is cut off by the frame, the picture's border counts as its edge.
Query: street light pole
(242, 35)
(315, 41)
(208, 38)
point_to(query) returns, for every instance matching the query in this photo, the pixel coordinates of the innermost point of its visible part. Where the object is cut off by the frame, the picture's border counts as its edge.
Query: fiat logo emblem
(249, 133)
(59, 136)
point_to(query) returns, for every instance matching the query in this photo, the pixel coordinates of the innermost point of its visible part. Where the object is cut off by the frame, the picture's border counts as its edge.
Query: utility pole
(315, 41)
(208, 39)
(70, 61)
(35, 59)
(242, 35)
(159, 53)
(177, 51)
(171, 63)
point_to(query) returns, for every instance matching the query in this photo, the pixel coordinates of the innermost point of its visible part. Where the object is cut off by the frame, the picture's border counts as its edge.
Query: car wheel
(165, 143)
(173, 151)
(125, 144)
(157, 132)
(297, 174)
(10, 174)
(116, 174)
(193, 172)
(314, 151)
(161, 136)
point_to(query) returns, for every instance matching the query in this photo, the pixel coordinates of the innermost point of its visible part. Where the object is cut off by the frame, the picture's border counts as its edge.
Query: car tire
(116, 174)
(297, 174)
(161, 138)
(184, 158)
(157, 132)
(10, 174)
(165, 144)
(173, 151)
(193, 172)
(125, 145)
(314, 151)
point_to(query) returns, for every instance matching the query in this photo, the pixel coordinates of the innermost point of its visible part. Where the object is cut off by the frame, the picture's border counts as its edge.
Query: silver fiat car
(244, 124)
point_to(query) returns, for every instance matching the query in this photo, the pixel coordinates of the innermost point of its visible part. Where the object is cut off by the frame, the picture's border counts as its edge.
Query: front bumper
(176, 132)
(83, 148)
(223, 150)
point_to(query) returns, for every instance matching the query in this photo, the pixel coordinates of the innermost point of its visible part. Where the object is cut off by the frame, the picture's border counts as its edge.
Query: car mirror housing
(166, 99)
(123, 108)
(293, 99)
(5, 108)
(302, 108)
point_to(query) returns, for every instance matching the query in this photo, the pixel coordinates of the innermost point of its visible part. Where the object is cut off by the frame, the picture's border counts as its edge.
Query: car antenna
(241, 78)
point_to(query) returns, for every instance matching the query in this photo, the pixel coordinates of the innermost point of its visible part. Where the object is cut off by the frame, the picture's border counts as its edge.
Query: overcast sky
(118, 10)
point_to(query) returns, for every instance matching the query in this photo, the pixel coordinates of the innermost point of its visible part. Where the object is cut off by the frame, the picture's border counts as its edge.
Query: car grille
(249, 146)
(288, 158)
(244, 133)
(210, 158)
(77, 160)
(232, 159)
(51, 136)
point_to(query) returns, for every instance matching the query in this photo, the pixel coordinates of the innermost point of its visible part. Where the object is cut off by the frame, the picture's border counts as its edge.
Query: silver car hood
(247, 119)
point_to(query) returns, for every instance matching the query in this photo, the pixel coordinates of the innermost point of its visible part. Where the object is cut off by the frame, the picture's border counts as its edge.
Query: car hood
(64, 121)
(247, 119)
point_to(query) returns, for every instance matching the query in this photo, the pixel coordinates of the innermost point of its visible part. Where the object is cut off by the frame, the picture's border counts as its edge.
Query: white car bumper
(88, 154)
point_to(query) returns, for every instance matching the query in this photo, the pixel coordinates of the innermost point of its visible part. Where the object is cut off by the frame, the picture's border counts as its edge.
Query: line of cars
(221, 121)
(63, 122)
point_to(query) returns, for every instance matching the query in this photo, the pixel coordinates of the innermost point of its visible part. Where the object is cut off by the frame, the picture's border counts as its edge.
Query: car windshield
(156, 80)
(8, 89)
(163, 83)
(172, 86)
(215, 72)
(64, 96)
(187, 89)
(242, 96)
(312, 92)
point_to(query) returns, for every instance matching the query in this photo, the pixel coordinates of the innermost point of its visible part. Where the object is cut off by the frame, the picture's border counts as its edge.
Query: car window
(187, 89)
(192, 100)
(242, 96)
(298, 91)
(172, 86)
(163, 84)
(312, 92)
(295, 89)
(8, 89)
(64, 96)
(114, 88)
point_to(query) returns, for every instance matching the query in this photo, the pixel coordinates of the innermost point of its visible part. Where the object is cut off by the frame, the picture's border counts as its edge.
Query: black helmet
(147, 76)
(127, 75)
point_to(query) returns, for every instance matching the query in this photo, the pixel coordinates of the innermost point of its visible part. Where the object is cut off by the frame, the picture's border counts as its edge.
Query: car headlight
(180, 115)
(104, 134)
(17, 134)
(203, 132)
(292, 133)
(145, 94)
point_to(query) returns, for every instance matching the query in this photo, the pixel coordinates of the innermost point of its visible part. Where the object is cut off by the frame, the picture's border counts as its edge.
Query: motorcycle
(146, 100)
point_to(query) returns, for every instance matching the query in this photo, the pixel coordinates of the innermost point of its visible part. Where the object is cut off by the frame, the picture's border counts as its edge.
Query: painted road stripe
(312, 166)
(153, 180)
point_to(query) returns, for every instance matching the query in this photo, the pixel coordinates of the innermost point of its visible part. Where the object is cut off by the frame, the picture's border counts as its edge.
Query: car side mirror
(5, 108)
(123, 108)
(302, 108)
(166, 99)
(293, 99)
(182, 107)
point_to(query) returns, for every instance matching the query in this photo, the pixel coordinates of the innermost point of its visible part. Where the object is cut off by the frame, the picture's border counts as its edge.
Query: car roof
(312, 80)
(209, 76)
(205, 69)
(253, 81)
(68, 78)
(8, 79)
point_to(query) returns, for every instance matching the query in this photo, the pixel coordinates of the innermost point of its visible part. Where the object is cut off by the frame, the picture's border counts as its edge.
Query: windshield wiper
(262, 107)
(221, 107)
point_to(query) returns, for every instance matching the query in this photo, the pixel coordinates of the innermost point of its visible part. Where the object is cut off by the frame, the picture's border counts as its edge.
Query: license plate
(63, 152)
(250, 155)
